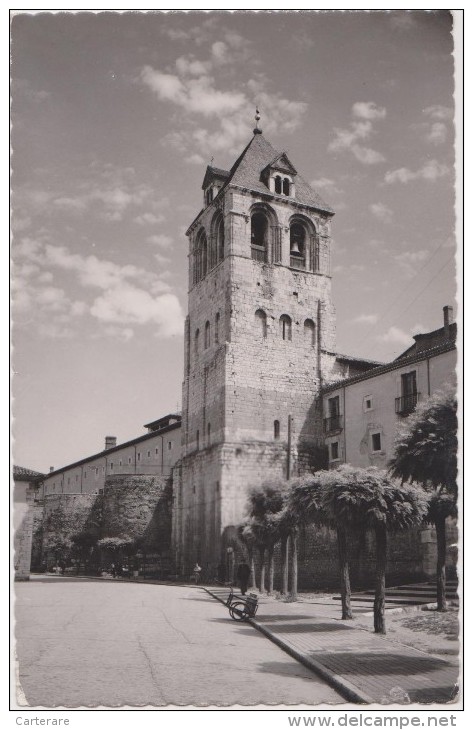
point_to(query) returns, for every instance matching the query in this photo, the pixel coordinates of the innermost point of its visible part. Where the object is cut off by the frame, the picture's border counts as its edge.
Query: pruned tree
(302, 504)
(265, 502)
(425, 451)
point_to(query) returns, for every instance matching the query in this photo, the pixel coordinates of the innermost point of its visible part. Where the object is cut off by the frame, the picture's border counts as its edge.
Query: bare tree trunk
(441, 557)
(285, 565)
(252, 568)
(262, 570)
(294, 565)
(380, 589)
(345, 588)
(271, 569)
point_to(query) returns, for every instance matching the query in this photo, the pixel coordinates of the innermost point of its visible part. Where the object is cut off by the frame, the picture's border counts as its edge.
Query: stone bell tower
(259, 339)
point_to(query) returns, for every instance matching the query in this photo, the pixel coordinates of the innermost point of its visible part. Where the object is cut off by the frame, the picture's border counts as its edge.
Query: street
(95, 643)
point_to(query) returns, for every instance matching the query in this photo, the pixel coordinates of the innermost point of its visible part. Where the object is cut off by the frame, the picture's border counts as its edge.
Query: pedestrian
(243, 574)
(197, 571)
(113, 570)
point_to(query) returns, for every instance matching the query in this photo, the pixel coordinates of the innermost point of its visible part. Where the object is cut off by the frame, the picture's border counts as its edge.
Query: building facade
(154, 453)
(361, 413)
(259, 342)
(26, 484)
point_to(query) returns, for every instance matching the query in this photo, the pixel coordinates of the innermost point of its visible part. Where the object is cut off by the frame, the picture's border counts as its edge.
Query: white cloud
(348, 140)
(437, 111)
(130, 305)
(402, 21)
(149, 219)
(368, 110)
(195, 86)
(409, 260)
(366, 319)
(431, 171)
(437, 133)
(160, 240)
(382, 212)
(324, 183)
(396, 336)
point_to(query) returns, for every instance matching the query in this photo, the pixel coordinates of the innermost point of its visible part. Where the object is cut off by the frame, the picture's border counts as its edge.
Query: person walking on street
(197, 571)
(243, 574)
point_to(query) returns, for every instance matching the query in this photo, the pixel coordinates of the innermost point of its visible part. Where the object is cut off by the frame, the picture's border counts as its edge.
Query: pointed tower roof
(258, 155)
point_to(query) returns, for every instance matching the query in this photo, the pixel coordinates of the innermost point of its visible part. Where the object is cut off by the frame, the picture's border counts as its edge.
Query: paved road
(106, 643)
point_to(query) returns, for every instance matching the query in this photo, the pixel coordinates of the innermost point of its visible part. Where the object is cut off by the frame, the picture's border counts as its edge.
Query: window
(120, 463)
(68, 480)
(207, 335)
(286, 186)
(333, 422)
(149, 454)
(260, 321)
(200, 257)
(309, 332)
(220, 240)
(334, 455)
(368, 403)
(77, 477)
(217, 325)
(285, 327)
(276, 430)
(103, 470)
(129, 459)
(138, 456)
(156, 450)
(298, 246)
(111, 466)
(85, 474)
(96, 471)
(409, 393)
(208, 434)
(376, 442)
(196, 342)
(217, 487)
(169, 445)
(259, 236)
(197, 438)
(277, 184)
(209, 195)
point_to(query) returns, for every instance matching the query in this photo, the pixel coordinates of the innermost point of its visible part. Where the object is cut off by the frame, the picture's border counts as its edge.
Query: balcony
(406, 403)
(297, 262)
(258, 253)
(333, 423)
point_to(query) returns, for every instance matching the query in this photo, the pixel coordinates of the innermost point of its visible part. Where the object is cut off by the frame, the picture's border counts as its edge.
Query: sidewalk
(363, 666)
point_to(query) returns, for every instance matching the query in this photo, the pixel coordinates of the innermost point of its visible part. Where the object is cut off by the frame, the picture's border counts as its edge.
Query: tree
(264, 504)
(425, 451)
(302, 503)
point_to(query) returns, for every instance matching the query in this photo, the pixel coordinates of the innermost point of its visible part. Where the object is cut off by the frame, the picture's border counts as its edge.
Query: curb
(345, 688)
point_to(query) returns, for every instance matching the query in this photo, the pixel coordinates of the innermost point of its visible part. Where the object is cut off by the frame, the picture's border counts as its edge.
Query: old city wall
(138, 507)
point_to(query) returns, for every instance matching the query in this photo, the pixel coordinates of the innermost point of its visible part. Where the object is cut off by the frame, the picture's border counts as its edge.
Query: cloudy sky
(115, 117)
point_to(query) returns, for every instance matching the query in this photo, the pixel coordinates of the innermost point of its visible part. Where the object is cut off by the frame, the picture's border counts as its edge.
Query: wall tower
(259, 339)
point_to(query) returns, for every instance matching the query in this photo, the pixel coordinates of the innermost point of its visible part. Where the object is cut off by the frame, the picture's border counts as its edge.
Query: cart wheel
(239, 611)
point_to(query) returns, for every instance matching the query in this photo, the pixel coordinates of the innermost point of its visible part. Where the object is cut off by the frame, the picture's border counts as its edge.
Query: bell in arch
(297, 240)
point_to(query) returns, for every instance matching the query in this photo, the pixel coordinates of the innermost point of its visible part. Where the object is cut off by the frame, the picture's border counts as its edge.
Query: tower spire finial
(256, 130)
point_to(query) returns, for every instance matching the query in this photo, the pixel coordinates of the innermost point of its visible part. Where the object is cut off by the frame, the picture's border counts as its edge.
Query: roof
(106, 452)
(427, 340)
(357, 360)
(213, 172)
(21, 474)
(160, 423)
(394, 365)
(258, 155)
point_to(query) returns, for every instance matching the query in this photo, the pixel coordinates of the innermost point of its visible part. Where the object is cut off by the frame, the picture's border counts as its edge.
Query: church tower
(259, 339)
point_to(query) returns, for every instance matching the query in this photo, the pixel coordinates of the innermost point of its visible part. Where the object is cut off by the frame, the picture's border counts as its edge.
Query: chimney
(51, 468)
(447, 320)
(110, 442)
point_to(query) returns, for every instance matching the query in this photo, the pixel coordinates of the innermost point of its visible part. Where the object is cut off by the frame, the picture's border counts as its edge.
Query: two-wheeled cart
(241, 608)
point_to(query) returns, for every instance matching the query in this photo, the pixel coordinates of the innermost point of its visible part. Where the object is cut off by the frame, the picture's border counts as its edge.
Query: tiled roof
(428, 340)
(257, 155)
(394, 365)
(213, 172)
(106, 452)
(20, 474)
(358, 360)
